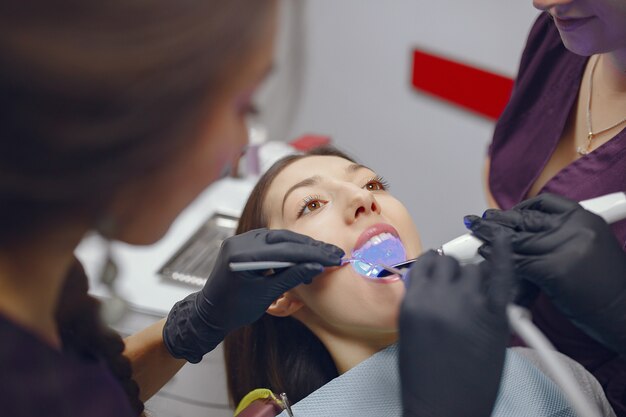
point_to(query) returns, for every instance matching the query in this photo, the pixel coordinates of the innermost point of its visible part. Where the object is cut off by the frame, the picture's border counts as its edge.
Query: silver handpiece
(611, 207)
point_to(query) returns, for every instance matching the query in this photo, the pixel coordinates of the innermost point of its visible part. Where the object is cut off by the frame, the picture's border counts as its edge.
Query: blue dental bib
(372, 389)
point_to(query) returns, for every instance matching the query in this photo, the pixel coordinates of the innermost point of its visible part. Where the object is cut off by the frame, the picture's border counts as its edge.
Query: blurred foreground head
(122, 111)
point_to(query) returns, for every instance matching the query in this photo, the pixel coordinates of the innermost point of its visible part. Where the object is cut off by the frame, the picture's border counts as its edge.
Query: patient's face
(333, 200)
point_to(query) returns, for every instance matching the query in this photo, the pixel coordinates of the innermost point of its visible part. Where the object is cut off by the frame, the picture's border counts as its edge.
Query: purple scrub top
(38, 381)
(524, 139)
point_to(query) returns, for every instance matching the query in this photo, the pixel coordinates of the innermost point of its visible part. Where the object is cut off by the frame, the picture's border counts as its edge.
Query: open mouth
(377, 246)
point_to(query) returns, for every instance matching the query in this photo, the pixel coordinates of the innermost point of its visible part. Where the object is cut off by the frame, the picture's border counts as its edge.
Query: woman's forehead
(328, 166)
(314, 166)
(321, 165)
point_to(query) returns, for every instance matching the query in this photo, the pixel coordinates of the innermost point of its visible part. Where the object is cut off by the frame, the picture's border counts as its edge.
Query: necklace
(592, 135)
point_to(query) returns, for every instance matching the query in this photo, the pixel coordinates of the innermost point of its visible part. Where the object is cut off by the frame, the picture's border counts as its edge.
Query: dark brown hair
(278, 353)
(94, 94)
(83, 333)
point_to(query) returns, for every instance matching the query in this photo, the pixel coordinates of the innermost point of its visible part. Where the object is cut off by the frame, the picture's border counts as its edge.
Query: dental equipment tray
(193, 262)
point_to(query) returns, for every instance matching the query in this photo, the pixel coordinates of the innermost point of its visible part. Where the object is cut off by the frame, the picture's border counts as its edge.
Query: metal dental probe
(261, 265)
(258, 265)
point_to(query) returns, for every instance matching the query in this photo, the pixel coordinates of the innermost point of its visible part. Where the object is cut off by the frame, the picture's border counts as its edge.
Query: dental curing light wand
(611, 207)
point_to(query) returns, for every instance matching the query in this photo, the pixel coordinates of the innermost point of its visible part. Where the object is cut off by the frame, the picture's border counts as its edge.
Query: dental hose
(521, 323)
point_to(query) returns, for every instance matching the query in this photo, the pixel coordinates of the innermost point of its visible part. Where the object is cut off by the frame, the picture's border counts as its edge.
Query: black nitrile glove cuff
(186, 335)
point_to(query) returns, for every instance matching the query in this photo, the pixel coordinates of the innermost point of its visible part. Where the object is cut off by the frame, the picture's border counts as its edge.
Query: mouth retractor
(383, 249)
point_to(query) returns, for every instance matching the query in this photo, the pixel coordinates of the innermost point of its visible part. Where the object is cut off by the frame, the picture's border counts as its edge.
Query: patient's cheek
(326, 287)
(320, 283)
(412, 254)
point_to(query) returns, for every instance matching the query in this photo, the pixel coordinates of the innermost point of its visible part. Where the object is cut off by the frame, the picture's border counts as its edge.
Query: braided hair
(83, 333)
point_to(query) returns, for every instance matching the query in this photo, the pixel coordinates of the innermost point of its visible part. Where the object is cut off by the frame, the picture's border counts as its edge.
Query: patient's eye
(310, 204)
(377, 183)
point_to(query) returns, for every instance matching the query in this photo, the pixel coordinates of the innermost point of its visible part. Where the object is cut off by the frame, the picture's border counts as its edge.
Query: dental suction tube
(522, 325)
(611, 207)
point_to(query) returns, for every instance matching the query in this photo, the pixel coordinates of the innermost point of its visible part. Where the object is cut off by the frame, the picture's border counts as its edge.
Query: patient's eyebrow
(304, 183)
(355, 167)
(316, 180)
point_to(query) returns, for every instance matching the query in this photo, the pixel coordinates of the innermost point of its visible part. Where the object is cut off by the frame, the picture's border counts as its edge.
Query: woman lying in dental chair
(330, 345)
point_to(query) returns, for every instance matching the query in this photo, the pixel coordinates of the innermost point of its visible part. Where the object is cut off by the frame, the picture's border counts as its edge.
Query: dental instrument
(399, 268)
(611, 207)
(258, 265)
(286, 404)
(271, 265)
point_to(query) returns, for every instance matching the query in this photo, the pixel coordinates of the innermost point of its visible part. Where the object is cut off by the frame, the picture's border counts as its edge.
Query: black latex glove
(572, 255)
(453, 335)
(197, 324)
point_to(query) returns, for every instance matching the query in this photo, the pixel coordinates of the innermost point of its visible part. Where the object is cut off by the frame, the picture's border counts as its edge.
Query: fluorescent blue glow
(388, 252)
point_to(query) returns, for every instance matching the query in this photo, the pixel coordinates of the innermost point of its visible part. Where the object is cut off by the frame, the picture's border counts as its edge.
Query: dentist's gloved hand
(198, 323)
(572, 255)
(453, 335)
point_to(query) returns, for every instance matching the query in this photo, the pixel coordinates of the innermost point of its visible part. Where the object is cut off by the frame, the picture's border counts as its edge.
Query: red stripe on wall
(472, 88)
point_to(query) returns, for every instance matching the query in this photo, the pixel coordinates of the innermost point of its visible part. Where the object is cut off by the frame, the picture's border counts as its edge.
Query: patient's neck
(348, 351)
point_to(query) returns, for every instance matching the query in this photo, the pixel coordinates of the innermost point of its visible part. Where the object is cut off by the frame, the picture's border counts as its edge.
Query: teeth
(375, 240)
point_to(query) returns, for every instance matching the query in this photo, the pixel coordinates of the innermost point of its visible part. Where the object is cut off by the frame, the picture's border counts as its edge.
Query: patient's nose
(362, 203)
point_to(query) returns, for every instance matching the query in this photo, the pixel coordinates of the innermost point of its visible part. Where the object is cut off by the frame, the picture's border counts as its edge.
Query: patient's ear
(285, 306)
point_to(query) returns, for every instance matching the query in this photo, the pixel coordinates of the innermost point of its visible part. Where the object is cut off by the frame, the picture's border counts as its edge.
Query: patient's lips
(378, 245)
(374, 230)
